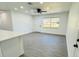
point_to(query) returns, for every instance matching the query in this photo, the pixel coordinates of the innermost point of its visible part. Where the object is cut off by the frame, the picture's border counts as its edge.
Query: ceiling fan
(39, 10)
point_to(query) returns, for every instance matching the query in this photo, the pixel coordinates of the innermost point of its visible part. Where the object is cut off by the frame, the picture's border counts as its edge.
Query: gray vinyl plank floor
(44, 45)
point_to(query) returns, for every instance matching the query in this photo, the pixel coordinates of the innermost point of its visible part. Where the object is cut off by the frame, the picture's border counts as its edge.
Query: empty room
(39, 29)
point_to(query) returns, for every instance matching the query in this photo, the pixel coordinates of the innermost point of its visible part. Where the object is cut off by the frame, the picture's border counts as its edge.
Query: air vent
(29, 3)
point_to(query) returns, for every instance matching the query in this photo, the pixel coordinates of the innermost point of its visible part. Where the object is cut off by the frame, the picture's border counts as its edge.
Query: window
(51, 23)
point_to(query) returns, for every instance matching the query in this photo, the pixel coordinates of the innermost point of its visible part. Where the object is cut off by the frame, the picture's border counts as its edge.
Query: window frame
(58, 22)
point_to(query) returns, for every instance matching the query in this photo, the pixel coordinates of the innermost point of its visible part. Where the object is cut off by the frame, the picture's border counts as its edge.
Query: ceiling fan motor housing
(39, 10)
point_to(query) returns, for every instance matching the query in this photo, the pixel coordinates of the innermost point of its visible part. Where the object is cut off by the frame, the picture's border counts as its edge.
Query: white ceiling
(54, 7)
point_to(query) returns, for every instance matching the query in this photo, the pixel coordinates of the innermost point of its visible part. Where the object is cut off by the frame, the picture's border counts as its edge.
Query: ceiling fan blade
(43, 11)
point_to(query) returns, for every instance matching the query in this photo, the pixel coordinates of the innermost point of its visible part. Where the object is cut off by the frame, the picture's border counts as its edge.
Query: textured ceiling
(53, 6)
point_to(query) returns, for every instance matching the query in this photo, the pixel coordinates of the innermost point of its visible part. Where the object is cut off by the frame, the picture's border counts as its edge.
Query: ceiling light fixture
(15, 8)
(47, 8)
(41, 2)
(21, 7)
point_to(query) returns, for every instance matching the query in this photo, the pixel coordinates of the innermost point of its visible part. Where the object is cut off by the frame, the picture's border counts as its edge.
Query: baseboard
(22, 55)
(45, 33)
(29, 33)
(50, 33)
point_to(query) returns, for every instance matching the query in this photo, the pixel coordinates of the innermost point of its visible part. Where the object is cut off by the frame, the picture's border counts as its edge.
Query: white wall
(22, 22)
(26, 23)
(72, 30)
(5, 20)
(63, 23)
